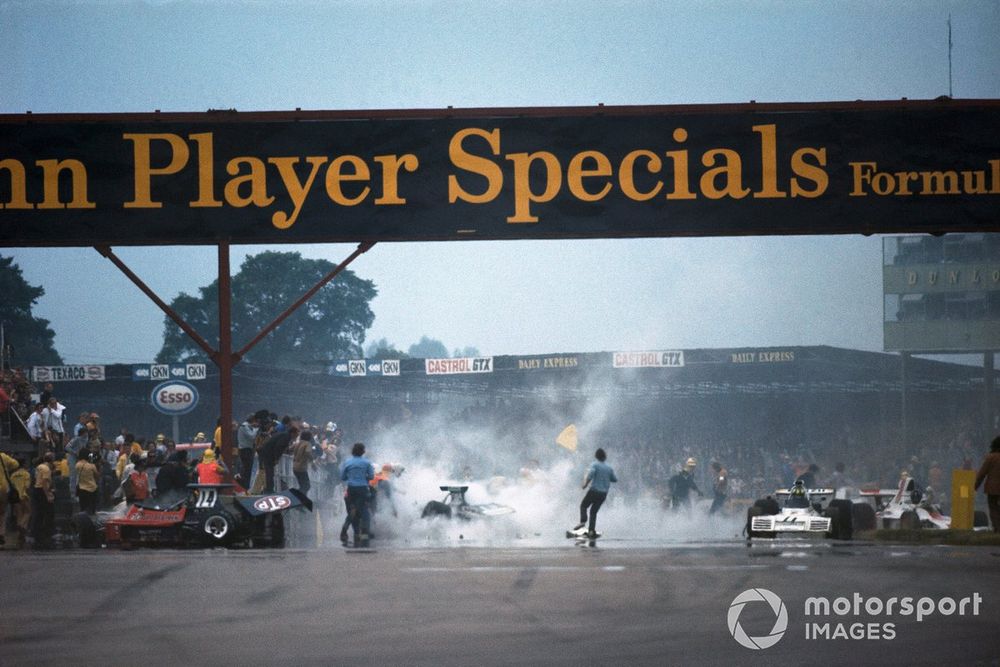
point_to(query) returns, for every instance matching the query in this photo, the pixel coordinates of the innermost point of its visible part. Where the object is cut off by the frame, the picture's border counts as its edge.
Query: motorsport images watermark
(780, 620)
(863, 617)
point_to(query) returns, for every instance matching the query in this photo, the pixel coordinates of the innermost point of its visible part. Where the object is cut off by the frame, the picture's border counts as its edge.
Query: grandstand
(801, 379)
(755, 409)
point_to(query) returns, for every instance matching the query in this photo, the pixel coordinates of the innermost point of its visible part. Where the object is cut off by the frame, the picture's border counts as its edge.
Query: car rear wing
(454, 489)
(279, 501)
(880, 495)
(823, 496)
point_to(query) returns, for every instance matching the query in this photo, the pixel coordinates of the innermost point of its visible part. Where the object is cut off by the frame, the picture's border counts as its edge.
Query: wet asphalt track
(619, 603)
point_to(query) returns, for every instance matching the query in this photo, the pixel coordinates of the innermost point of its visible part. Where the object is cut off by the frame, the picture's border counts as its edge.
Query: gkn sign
(175, 397)
(161, 372)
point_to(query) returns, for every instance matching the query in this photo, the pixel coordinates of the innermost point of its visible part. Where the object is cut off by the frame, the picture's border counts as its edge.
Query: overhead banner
(283, 177)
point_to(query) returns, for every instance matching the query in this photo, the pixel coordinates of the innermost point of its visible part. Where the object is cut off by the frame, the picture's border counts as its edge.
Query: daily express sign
(274, 177)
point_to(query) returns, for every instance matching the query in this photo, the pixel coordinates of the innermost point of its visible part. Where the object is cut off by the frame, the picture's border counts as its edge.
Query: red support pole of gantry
(224, 359)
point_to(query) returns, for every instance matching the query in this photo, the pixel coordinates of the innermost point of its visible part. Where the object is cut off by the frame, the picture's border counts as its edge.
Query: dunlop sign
(284, 177)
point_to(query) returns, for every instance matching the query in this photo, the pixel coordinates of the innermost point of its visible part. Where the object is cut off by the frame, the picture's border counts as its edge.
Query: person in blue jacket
(599, 478)
(356, 473)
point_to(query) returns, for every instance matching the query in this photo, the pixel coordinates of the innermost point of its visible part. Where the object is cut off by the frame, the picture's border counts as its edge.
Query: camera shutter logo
(780, 621)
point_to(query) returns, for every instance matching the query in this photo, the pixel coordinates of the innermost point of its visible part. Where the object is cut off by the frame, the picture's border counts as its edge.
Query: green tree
(428, 348)
(330, 326)
(383, 349)
(30, 338)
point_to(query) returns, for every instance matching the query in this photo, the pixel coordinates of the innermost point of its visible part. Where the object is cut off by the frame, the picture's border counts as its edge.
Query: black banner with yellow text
(604, 172)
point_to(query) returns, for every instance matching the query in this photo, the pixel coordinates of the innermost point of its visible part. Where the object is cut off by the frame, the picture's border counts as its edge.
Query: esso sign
(175, 397)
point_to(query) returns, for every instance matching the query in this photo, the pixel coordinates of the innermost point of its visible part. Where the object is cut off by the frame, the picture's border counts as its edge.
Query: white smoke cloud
(519, 465)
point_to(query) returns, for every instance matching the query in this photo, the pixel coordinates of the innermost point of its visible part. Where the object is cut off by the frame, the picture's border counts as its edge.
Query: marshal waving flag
(567, 439)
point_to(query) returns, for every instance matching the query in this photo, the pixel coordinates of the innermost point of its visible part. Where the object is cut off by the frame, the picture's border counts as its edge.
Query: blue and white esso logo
(175, 397)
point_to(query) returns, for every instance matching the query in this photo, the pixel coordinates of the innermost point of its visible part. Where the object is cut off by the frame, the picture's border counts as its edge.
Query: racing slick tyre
(833, 514)
(87, 531)
(909, 520)
(980, 520)
(843, 524)
(436, 508)
(751, 513)
(863, 516)
(767, 506)
(216, 528)
(269, 532)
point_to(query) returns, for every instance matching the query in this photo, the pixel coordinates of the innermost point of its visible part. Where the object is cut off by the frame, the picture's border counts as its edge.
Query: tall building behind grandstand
(942, 293)
(942, 296)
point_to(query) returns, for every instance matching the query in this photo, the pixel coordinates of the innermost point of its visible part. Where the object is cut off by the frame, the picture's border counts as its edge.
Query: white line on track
(577, 568)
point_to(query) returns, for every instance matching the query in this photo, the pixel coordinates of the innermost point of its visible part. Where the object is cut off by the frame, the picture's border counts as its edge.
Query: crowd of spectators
(16, 393)
(81, 467)
(651, 442)
(858, 455)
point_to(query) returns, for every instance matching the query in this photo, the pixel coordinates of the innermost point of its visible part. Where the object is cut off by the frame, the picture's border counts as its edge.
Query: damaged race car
(455, 505)
(204, 515)
(800, 511)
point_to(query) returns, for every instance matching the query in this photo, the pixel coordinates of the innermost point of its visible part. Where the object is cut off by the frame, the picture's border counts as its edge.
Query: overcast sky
(501, 297)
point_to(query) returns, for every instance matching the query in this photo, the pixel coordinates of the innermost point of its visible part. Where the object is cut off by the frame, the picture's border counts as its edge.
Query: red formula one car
(204, 515)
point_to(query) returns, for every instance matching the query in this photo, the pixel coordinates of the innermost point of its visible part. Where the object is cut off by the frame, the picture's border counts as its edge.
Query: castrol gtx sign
(175, 397)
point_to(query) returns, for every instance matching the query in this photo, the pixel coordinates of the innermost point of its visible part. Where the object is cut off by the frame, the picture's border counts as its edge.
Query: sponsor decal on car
(274, 503)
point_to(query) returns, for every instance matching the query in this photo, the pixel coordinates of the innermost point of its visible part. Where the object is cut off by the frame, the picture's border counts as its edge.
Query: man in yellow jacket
(124, 457)
(10, 465)
(21, 479)
(43, 502)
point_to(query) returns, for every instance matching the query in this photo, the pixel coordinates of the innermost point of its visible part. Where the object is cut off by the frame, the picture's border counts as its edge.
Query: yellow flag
(567, 438)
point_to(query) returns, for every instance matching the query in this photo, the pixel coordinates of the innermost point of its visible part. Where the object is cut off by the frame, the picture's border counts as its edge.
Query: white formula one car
(455, 505)
(800, 511)
(906, 507)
